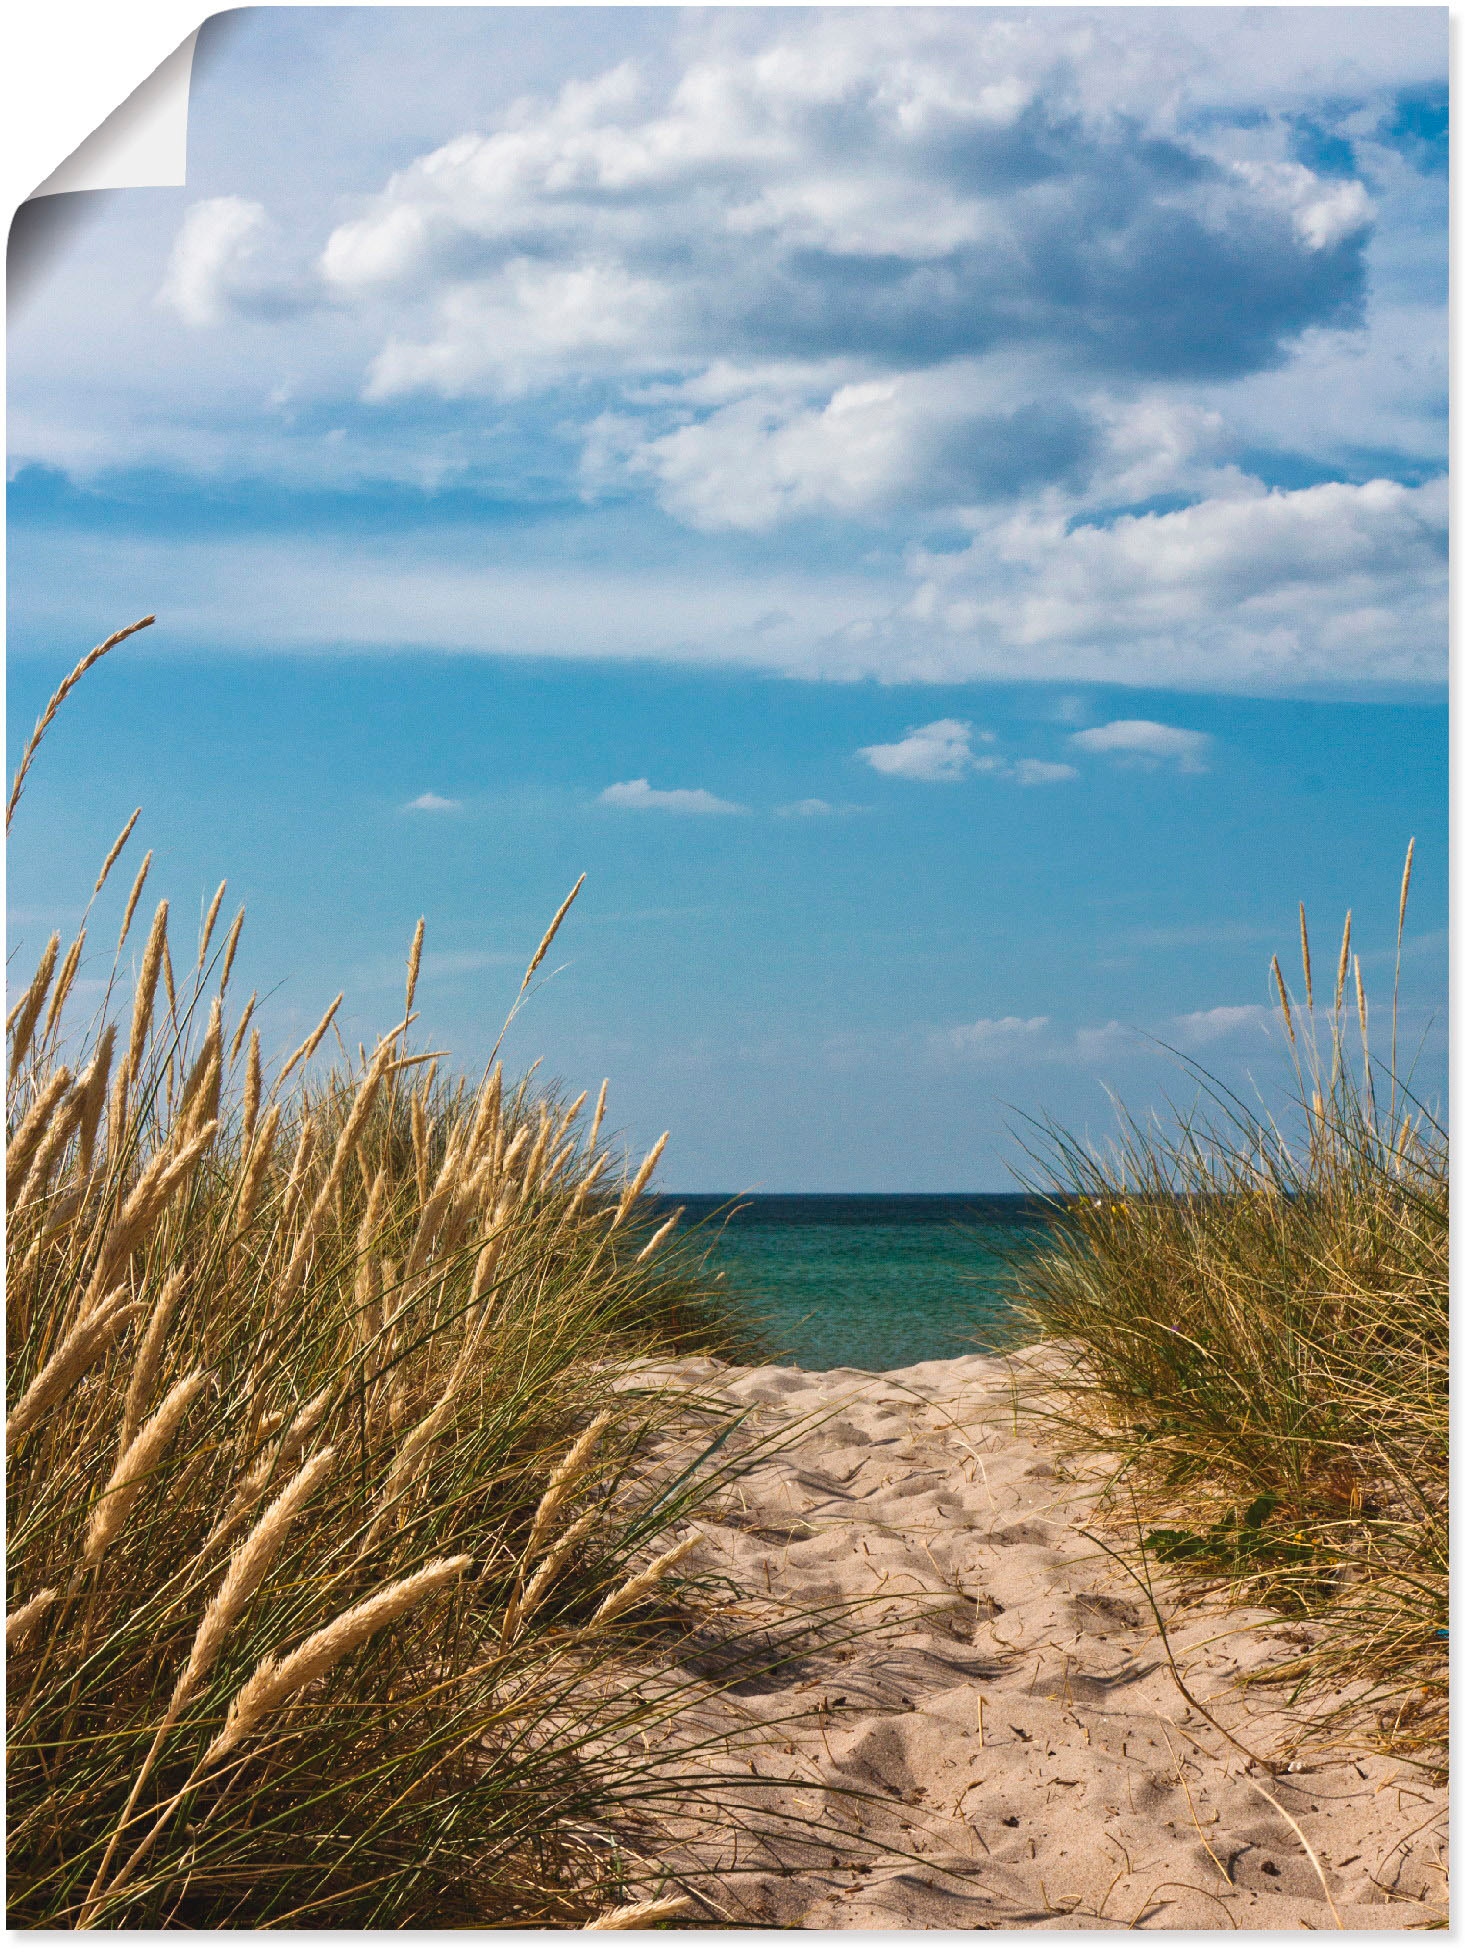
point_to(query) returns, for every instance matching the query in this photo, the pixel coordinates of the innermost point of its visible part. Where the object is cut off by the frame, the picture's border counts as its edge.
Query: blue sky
(939, 514)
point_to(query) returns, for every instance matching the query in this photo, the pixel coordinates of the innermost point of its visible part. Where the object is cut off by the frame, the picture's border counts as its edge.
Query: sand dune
(1004, 1697)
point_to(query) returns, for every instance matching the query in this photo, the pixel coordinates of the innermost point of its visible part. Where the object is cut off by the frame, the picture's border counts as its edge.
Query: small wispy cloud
(1145, 742)
(641, 796)
(815, 809)
(992, 1036)
(432, 803)
(1097, 1043)
(941, 750)
(1042, 772)
(1207, 1026)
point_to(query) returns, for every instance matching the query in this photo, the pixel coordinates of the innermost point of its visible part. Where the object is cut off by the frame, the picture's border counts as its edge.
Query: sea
(870, 1280)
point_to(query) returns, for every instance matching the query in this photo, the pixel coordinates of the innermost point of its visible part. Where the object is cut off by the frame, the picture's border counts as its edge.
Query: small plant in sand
(1259, 1321)
(323, 1520)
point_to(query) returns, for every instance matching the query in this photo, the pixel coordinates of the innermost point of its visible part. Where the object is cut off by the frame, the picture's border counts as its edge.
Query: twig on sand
(1147, 1588)
(1311, 1853)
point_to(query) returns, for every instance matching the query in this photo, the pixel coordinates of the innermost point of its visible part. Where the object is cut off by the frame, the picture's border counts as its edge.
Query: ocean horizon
(871, 1281)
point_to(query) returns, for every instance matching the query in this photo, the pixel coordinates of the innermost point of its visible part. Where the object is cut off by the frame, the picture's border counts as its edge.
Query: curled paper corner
(143, 144)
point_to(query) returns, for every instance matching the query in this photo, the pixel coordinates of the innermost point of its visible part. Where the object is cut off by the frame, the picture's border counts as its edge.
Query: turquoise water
(870, 1281)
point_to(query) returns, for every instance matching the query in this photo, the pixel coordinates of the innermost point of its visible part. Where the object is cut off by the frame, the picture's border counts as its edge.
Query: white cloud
(645, 226)
(1258, 588)
(1146, 742)
(1321, 212)
(522, 328)
(432, 803)
(1228, 1020)
(642, 796)
(1102, 1042)
(212, 257)
(764, 458)
(993, 1036)
(902, 273)
(1041, 772)
(941, 750)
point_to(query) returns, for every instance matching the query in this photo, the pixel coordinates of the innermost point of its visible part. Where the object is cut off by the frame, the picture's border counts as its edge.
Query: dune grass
(327, 1540)
(1257, 1309)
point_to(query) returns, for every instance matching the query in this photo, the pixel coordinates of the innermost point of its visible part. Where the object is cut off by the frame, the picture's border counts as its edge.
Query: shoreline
(1005, 1695)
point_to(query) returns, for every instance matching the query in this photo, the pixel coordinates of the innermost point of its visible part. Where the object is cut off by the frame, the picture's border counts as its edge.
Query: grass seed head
(26, 1014)
(274, 1682)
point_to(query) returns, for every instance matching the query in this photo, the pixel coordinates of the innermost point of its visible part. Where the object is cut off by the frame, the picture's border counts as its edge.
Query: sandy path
(1035, 1763)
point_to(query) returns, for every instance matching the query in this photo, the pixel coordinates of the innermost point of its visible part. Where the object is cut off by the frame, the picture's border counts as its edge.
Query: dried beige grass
(134, 897)
(635, 1918)
(32, 1130)
(23, 1019)
(251, 1560)
(274, 1682)
(1306, 952)
(205, 934)
(659, 1236)
(205, 1075)
(308, 1049)
(241, 1029)
(414, 963)
(356, 1118)
(90, 1338)
(1342, 982)
(256, 1168)
(595, 1122)
(92, 1091)
(135, 1465)
(18, 1624)
(420, 1162)
(116, 848)
(161, 1178)
(69, 967)
(634, 1190)
(550, 933)
(170, 990)
(231, 949)
(433, 1212)
(415, 1444)
(535, 1160)
(285, 1451)
(146, 991)
(562, 1481)
(149, 1355)
(487, 1111)
(637, 1588)
(58, 1132)
(253, 1084)
(523, 1607)
(53, 705)
(299, 1168)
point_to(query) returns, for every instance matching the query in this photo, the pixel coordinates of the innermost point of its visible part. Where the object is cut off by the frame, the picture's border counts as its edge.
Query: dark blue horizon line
(1007, 1193)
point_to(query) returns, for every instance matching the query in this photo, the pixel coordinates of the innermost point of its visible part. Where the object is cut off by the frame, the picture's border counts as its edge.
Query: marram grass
(1257, 1312)
(326, 1542)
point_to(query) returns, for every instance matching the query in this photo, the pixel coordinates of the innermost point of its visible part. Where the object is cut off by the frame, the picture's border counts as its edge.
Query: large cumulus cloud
(1090, 342)
(853, 190)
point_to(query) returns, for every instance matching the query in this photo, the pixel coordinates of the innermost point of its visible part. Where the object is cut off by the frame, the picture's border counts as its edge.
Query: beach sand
(1003, 1692)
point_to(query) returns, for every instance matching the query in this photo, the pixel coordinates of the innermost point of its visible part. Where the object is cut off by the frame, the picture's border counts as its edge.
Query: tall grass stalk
(1257, 1313)
(326, 1534)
